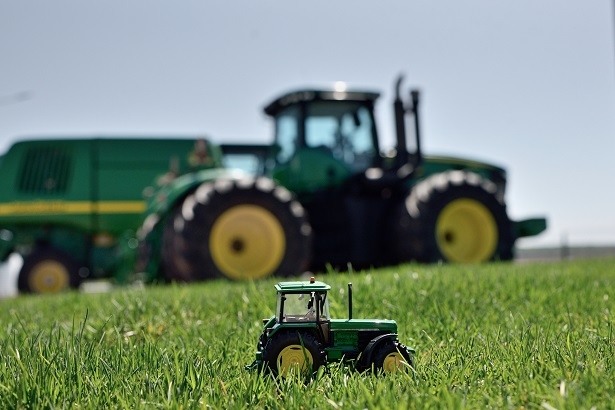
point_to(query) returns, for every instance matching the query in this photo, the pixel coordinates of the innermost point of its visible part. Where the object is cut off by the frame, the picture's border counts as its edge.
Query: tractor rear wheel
(455, 216)
(392, 357)
(48, 270)
(297, 351)
(242, 229)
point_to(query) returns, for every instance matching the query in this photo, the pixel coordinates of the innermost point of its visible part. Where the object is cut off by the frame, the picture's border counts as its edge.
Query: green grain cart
(322, 194)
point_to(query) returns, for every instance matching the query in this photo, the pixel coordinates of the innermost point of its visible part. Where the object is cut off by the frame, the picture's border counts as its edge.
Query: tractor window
(345, 129)
(301, 307)
(287, 132)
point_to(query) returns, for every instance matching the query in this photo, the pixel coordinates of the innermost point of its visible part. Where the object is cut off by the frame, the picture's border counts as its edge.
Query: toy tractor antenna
(349, 300)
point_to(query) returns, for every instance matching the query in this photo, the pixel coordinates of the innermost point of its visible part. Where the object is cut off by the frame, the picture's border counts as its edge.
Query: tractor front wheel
(48, 270)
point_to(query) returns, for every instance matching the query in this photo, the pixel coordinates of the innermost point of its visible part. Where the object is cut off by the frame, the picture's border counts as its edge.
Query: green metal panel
(311, 169)
(301, 287)
(363, 324)
(529, 227)
(346, 338)
(433, 164)
(46, 182)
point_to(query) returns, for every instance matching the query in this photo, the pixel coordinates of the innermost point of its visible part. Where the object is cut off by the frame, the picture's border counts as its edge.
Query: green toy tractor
(302, 336)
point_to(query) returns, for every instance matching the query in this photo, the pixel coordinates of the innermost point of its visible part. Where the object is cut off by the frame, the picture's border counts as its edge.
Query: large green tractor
(322, 193)
(326, 195)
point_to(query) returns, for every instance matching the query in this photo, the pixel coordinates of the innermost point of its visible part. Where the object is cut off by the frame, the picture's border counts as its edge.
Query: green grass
(490, 336)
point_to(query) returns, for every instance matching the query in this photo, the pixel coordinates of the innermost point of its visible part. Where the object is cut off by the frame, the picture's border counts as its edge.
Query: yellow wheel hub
(49, 277)
(247, 242)
(393, 362)
(294, 357)
(466, 231)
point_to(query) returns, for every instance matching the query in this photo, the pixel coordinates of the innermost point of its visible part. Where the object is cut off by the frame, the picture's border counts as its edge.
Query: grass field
(490, 336)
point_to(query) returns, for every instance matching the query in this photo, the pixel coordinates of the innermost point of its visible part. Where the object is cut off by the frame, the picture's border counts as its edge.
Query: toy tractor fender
(372, 346)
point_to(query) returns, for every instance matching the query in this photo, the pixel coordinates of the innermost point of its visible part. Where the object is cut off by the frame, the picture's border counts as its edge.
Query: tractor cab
(325, 137)
(302, 302)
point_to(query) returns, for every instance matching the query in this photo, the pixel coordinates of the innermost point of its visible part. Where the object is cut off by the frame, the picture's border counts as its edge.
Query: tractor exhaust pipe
(400, 125)
(400, 111)
(349, 300)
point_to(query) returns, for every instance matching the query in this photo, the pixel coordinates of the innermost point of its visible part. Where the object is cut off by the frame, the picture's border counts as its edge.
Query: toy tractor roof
(302, 286)
(332, 94)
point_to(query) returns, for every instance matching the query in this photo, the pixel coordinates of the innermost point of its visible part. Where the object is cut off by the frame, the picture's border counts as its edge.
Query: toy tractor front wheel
(293, 351)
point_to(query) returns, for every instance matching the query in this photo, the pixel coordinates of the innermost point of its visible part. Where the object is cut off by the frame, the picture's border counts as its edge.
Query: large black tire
(241, 229)
(392, 357)
(48, 270)
(455, 216)
(171, 260)
(297, 351)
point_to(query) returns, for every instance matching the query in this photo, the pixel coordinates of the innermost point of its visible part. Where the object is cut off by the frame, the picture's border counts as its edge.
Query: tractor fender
(163, 200)
(366, 356)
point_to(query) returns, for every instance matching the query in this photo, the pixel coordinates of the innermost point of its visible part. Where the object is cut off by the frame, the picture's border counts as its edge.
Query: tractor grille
(45, 170)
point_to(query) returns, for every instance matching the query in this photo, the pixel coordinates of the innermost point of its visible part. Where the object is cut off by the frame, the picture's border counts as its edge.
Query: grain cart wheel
(392, 357)
(243, 229)
(48, 271)
(293, 351)
(454, 216)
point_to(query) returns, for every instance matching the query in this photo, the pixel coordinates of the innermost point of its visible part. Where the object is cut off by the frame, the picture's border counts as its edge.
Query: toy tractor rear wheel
(242, 229)
(293, 351)
(48, 270)
(392, 357)
(455, 216)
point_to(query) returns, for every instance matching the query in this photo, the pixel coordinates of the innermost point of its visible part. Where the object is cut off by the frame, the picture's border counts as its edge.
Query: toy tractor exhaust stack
(349, 300)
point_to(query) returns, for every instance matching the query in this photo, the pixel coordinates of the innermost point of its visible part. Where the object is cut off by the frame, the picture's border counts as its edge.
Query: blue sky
(526, 84)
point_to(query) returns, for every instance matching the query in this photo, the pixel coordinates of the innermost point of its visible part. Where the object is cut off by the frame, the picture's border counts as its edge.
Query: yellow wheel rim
(466, 231)
(49, 277)
(247, 242)
(393, 362)
(294, 357)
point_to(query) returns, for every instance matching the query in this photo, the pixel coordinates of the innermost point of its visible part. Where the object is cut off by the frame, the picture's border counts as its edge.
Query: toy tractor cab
(301, 336)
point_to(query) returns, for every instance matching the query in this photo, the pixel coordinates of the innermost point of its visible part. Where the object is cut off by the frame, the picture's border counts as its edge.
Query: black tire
(391, 357)
(242, 229)
(171, 260)
(48, 270)
(455, 216)
(293, 349)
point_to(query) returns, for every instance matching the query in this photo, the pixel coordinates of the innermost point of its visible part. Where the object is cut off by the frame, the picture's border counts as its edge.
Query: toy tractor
(301, 336)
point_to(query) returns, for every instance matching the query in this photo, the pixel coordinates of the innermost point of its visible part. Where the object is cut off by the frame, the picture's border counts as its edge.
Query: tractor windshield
(301, 307)
(344, 129)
